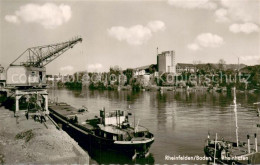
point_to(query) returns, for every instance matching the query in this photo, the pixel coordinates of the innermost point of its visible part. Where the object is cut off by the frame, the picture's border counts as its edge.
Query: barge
(110, 131)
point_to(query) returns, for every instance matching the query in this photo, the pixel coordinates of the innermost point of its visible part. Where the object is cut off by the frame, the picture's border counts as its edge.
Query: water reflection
(180, 121)
(111, 157)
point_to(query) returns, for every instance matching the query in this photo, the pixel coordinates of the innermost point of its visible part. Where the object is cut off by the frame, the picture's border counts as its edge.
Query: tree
(115, 70)
(221, 64)
(129, 74)
(208, 68)
(1, 69)
(198, 66)
(152, 68)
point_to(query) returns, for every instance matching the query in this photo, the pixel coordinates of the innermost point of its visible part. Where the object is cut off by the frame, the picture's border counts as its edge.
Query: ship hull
(139, 148)
(237, 159)
(209, 152)
(87, 139)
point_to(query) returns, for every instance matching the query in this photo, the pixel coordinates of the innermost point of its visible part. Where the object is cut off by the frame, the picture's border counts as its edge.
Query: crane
(28, 77)
(40, 56)
(32, 71)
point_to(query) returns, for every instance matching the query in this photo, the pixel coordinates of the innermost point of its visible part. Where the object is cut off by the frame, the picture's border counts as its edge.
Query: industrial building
(185, 67)
(166, 62)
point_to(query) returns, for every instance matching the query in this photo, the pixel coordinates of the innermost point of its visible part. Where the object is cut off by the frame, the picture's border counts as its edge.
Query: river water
(180, 121)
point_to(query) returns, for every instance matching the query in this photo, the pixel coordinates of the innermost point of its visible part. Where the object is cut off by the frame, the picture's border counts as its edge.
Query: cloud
(94, 67)
(156, 26)
(194, 4)
(12, 19)
(242, 10)
(209, 40)
(137, 34)
(48, 15)
(250, 58)
(67, 68)
(206, 40)
(221, 15)
(194, 46)
(244, 28)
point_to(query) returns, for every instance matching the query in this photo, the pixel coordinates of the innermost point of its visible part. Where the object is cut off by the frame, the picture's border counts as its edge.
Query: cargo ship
(111, 130)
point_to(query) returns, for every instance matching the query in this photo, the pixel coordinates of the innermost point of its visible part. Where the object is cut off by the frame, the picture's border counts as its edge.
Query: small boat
(83, 109)
(258, 113)
(258, 110)
(110, 131)
(228, 152)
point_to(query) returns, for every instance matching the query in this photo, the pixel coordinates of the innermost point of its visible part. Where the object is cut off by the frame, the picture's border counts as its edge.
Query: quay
(27, 141)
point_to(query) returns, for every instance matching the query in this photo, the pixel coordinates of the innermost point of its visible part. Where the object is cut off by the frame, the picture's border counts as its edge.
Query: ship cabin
(115, 118)
(114, 126)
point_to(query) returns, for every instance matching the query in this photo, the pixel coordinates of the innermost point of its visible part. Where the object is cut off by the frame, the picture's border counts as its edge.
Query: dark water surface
(180, 121)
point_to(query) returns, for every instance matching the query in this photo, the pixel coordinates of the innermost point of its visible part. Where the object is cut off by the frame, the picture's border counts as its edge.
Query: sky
(127, 33)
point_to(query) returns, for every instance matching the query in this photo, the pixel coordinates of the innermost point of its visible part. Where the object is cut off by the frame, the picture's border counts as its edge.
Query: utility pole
(238, 64)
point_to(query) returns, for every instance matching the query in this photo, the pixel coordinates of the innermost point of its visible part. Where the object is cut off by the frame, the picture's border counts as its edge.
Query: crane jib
(33, 70)
(40, 56)
(62, 49)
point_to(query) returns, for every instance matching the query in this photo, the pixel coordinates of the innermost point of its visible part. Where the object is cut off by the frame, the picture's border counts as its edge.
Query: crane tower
(26, 75)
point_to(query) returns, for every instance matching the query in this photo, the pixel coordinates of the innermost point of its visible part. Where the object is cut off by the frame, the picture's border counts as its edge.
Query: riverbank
(165, 88)
(27, 141)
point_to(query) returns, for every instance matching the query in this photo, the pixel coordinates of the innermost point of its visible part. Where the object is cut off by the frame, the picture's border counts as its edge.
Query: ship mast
(235, 110)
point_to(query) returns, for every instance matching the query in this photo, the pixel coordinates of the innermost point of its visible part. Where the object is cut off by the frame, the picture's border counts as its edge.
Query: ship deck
(63, 109)
(67, 111)
(115, 130)
(111, 129)
(240, 152)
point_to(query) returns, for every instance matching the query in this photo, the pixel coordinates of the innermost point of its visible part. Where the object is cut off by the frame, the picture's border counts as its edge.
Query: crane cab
(23, 76)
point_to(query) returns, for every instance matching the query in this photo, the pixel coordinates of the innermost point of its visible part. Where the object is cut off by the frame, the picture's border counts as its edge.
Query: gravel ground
(27, 141)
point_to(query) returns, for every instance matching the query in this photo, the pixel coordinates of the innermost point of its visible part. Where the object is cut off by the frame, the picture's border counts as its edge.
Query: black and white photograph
(129, 82)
